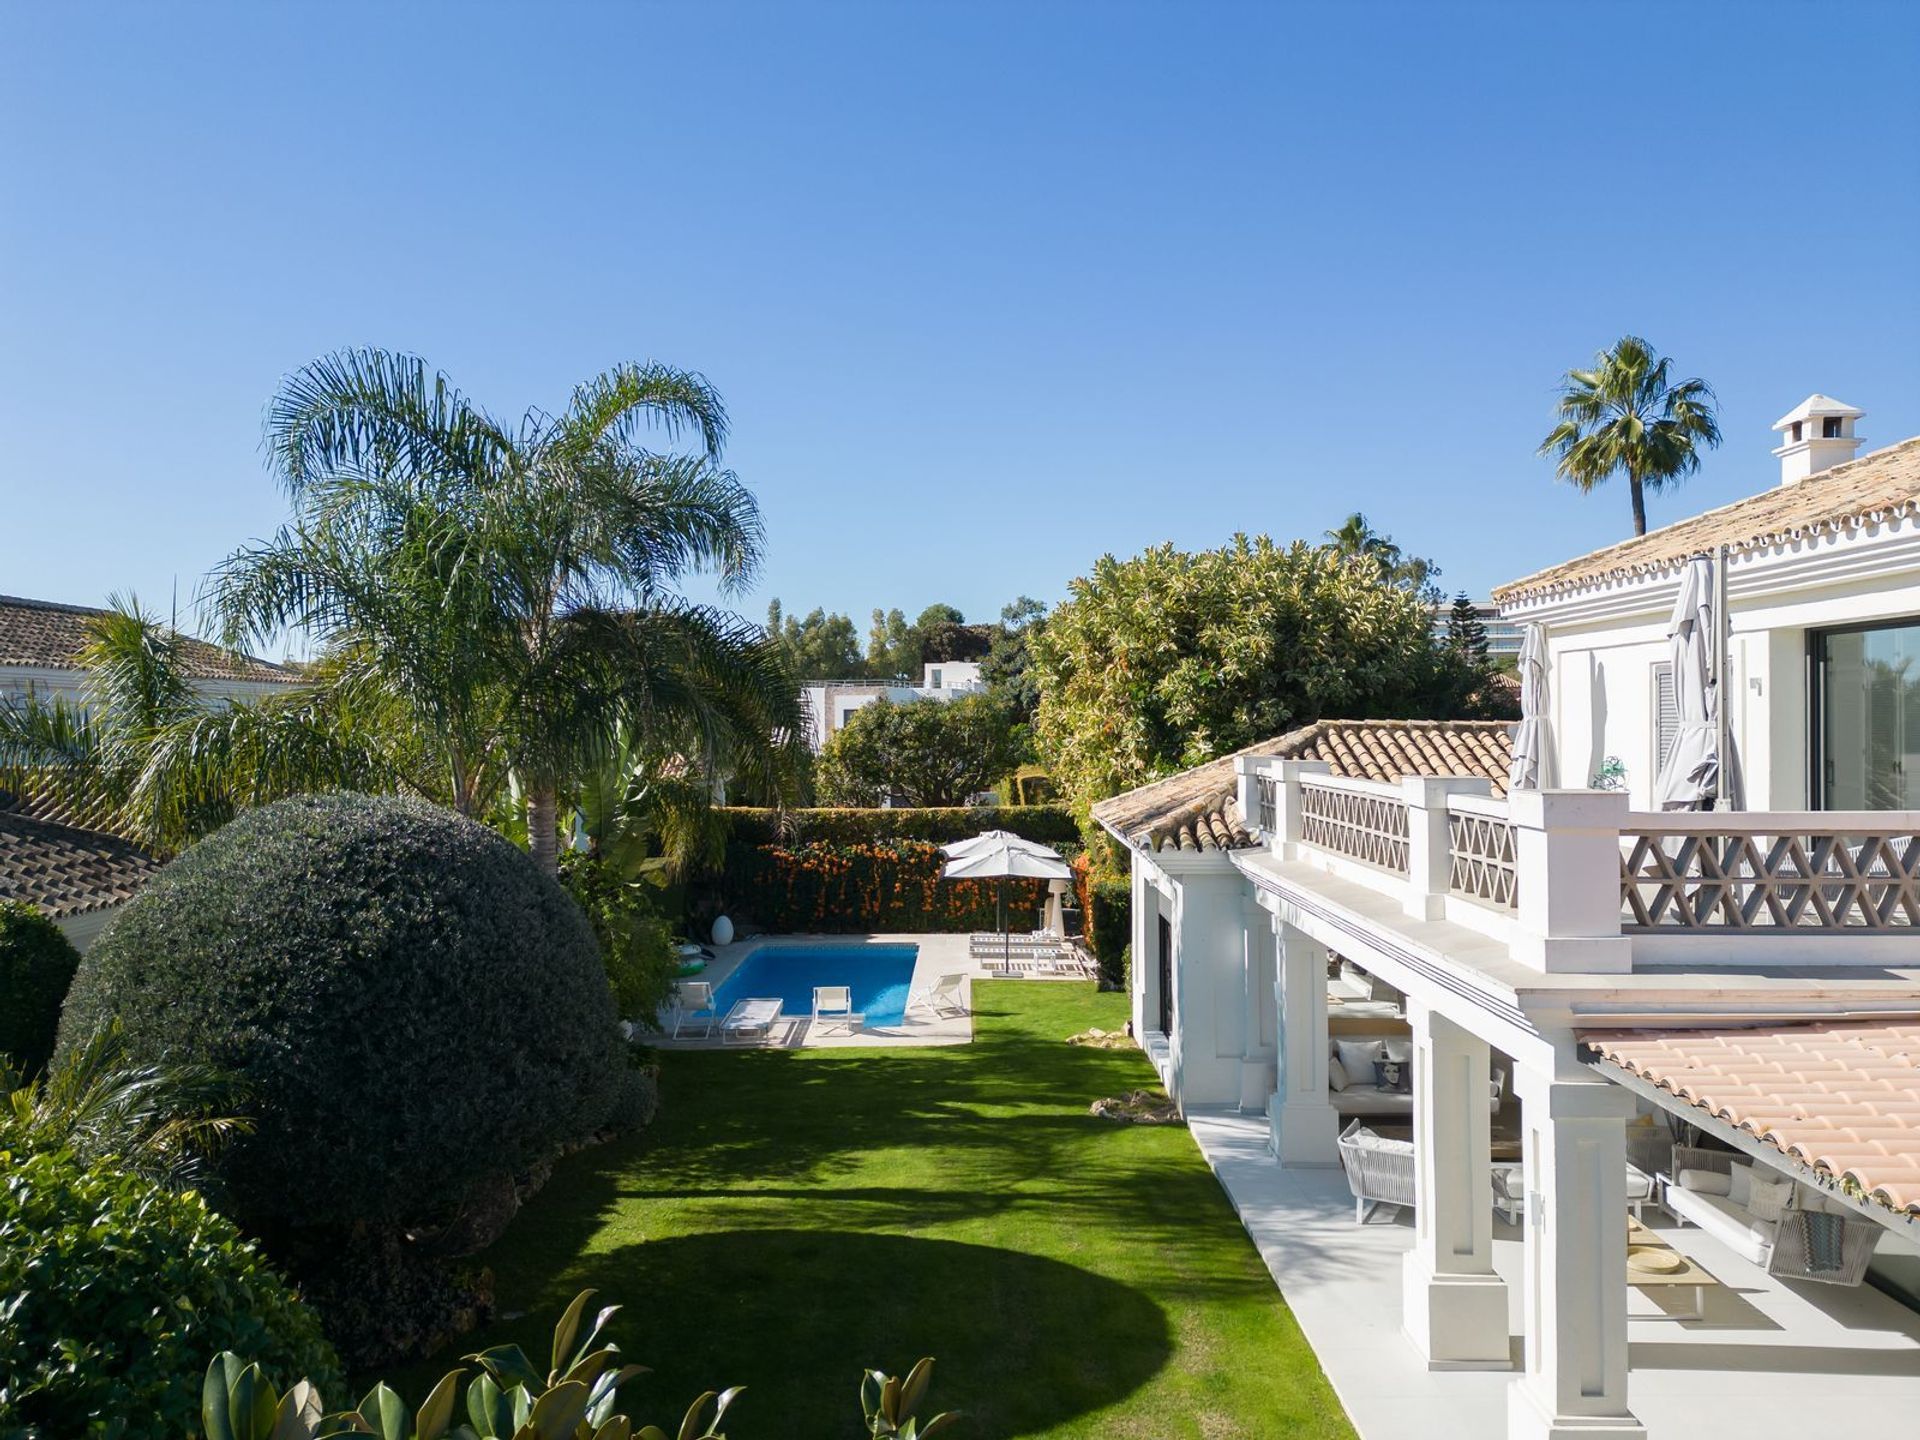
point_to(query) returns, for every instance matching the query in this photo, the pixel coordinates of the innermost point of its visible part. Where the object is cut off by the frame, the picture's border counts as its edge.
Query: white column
(1454, 1306)
(1575, 1305)
(1258, 1075)
(1145, 960)
(1305, 1126)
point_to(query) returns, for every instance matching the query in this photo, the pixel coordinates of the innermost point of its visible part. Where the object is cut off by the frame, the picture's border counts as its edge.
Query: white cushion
(1742, 1180)
(1336, 1075)
(1357, 1057)
(1705, 1182)
(1767, 1199)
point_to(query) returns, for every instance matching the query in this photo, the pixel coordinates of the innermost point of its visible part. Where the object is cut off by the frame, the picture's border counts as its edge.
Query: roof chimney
(1819, 435)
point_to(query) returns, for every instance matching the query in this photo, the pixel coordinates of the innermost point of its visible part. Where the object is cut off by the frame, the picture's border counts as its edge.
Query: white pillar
(1454, 1306)
(1258, 1076)
(1575, 1306)
(1305, 1126)
(1145, 978)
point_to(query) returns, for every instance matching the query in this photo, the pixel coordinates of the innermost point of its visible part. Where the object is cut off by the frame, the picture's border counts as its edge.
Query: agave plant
(511, 1399)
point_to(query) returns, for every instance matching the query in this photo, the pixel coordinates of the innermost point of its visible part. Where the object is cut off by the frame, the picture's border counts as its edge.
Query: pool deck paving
(938, 955)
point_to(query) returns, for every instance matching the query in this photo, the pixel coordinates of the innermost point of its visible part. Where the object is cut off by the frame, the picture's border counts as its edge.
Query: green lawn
(794, 1216)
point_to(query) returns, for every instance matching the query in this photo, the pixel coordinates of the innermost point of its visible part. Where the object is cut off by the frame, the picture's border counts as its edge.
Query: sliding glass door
(1867, 720)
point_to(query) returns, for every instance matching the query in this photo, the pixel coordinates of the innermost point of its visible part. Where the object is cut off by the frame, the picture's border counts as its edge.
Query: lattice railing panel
(1266, 804)
(1364, 827)
(1804, 881)
(1482, 864)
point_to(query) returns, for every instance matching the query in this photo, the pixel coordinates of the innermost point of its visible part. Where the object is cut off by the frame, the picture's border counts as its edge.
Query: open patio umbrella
(1000, 856)
(1529, 767)
(1692, 777)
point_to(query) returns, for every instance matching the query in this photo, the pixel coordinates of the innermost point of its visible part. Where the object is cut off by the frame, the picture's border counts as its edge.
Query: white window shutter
(1666, 714)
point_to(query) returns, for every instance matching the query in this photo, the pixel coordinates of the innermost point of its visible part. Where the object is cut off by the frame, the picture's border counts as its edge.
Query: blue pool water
(878, 975)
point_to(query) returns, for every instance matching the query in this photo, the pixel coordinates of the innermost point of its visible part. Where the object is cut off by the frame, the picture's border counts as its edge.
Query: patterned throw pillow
(1767, 1199)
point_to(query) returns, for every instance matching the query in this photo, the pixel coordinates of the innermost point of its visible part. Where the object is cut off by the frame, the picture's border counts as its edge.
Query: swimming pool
(878, 975)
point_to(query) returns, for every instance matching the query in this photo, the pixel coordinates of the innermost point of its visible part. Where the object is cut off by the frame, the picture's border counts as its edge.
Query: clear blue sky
(989, 289)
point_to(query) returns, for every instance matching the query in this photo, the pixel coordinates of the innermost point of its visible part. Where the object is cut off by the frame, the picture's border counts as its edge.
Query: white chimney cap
(1817, 405)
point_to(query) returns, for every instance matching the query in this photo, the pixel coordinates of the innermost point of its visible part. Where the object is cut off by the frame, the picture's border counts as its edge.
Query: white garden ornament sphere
(723, 931)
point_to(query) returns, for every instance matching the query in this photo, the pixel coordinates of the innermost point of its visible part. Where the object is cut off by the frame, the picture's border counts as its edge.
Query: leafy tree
(1627, 415)
(893, 646)
(819, 646)
(511, 587)
(928, 752)
(1008, 668)
(1172, 658)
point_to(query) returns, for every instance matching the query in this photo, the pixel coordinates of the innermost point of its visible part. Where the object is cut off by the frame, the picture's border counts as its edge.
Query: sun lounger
(833, 1007)
(749, 1020)
(693, 1005)
(945, 998)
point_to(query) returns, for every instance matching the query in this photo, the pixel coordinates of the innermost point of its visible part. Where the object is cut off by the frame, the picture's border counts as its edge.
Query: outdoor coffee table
(750, 1019)
(1652, 1264)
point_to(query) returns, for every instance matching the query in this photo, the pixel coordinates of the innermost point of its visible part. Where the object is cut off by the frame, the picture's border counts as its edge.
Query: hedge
(1047, 824)
(37, 962)
(888, 886)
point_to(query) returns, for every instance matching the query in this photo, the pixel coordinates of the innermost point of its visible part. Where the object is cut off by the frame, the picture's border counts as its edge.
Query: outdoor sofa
(1763, 1216)
(1351, 1057)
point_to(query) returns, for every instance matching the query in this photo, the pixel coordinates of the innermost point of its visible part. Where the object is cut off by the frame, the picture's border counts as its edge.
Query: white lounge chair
(693, 1005)
(945, 998)
(833, 1006)
(749, 1020)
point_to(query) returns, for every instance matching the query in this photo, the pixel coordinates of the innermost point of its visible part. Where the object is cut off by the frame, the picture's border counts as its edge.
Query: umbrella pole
(1006, 935)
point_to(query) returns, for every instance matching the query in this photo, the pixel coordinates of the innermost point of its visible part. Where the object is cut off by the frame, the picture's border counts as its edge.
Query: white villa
(1579, 1006)
(831, 703)
(56, 860)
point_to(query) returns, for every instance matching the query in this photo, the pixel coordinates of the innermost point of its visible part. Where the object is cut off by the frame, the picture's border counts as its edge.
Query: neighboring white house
(831, 703)
(76, 874)
(1547, 985)
(41, 640)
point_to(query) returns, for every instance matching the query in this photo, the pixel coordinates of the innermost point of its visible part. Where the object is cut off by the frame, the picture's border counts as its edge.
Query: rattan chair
(1379, 1170)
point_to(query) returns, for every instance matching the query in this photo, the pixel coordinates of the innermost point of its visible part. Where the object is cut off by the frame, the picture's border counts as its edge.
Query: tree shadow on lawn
(1021, 1343)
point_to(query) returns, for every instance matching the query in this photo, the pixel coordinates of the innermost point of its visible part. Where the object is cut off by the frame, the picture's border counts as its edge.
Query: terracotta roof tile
(65, 870)
(1841, 1098)
(1197, 810)
(47, 635)
(1869, 490)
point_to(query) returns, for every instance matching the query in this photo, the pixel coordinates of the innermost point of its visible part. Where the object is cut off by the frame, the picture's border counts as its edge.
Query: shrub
(37, 962)
(891, 886)
(512, 1398)
(414, 1009)
(1047, 824)
(118, 1290)
(636, 941)
(1110, 928)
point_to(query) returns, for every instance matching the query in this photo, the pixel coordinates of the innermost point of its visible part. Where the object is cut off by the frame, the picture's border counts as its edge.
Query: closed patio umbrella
(1691, 779)
(1000, 856)
(1530, 760)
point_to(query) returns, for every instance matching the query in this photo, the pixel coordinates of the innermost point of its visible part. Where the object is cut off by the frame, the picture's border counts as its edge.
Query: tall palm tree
(1628, 415)
(513, 587)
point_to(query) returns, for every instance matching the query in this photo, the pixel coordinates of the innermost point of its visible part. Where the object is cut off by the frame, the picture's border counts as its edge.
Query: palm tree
(1627, 414)
(512, 588)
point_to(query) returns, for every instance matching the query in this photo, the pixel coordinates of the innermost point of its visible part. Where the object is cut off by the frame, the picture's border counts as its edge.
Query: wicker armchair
(1379, 1170)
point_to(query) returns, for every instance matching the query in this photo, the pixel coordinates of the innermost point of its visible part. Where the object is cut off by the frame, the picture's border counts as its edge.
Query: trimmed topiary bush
(413, 1009)
(37, 962)
(1110, 928)
(118, 1291)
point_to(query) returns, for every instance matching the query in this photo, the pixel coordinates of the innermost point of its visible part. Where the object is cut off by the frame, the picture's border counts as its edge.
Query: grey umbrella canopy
(998, 855)
(1691, 778)
(1530, 760)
